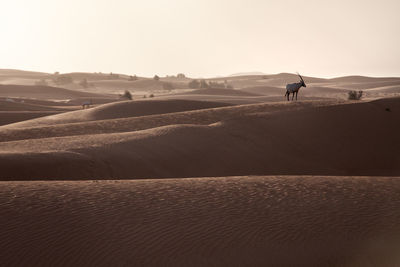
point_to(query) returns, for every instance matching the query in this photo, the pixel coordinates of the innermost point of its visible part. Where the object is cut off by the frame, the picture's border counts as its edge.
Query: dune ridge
(65, 124)
(121, 109)
(255, 143)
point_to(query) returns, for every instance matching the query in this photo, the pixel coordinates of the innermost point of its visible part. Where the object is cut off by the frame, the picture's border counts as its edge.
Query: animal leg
(296, 96)
(292, 96)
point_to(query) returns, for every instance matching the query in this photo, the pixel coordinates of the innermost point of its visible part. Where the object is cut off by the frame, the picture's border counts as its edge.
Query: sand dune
(308, 140)
(56, 126)
(367, 86)
(264, 90)
(147, 107)
(364, 79)
(259, 218)
(12, 112)
(47, 103)
(41, 92)
(140, 86)
(10, 117)
(22, 106)
(223, 92)
(228, 99)
(244, 100)
(122, 109)
(12, 73)
(232, 221)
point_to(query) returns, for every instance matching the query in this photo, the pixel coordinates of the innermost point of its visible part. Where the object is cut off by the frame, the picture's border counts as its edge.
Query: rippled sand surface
(232, 221)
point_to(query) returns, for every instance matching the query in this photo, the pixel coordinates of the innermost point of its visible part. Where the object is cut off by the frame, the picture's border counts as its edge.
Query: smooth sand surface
(224, 92)
(10, 117)
(16, 110)
(236, 221)
(121, 109)
(41, 92)
(307, 138)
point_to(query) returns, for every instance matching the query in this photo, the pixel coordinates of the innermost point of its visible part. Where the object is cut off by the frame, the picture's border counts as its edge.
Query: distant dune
(16, 110)
(122, 109)
(10, 117)
(56, 126)
(106, 84)
(223, 92)
(264, 90)
(247, 73)
(41, 92)
(22, 106)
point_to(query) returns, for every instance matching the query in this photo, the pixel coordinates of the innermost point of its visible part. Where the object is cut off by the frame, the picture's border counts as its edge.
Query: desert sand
(222, 221)
(309, 138)
(199, 177)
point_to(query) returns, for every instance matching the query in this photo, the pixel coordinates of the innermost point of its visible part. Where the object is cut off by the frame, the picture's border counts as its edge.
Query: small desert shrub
(151, 95)
(156, 78)
(127, 95)
(355, 95)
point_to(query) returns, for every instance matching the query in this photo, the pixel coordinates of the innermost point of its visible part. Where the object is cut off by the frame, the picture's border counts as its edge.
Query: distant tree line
(63, 79)
(202, 84)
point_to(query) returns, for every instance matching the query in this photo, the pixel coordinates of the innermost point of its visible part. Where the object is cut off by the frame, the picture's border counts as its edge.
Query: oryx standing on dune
(294, 87)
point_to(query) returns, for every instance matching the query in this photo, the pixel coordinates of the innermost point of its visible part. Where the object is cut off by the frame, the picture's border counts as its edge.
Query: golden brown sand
(237, 221)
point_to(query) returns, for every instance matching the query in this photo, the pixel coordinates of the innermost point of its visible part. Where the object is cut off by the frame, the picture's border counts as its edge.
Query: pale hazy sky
(202, 38)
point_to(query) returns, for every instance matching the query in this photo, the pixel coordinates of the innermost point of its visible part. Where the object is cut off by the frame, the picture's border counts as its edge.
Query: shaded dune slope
(57, 126)
(18, 106)
(9, 117)
(42, 92)
(234, 221)
(349, 139)
(222, 92)
(12, 112)
(124, 109)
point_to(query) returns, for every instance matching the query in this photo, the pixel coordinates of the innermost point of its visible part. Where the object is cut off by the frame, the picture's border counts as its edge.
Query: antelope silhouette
(293, 88)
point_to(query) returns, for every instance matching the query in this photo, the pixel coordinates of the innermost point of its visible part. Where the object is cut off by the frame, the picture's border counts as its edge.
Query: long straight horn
(300, 77)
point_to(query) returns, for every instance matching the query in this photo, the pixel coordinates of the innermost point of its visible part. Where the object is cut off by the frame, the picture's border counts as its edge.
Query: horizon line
(237, 74)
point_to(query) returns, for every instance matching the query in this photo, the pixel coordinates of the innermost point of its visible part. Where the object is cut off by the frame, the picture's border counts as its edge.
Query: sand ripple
(236, 221)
